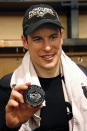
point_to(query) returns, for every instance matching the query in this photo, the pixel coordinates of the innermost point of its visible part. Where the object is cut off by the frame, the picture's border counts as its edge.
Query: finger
(28, 84)
(11, 103)
(22, 87)
(17, 96)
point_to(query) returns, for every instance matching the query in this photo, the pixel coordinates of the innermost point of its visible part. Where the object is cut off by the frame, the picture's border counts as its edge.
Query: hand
(18, 112)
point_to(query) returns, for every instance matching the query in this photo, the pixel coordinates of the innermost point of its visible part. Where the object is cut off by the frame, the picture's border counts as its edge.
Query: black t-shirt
(5, 91)
(54, 115)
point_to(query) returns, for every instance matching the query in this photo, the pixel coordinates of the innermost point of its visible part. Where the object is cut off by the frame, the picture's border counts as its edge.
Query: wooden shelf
(15, 46)
(10, 43)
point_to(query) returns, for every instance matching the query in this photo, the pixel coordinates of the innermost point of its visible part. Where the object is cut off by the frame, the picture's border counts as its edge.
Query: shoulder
(5, 80)
(5, 89)
(83, 68)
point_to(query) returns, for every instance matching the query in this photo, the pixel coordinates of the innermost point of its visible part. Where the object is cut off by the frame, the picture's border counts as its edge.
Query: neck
(49, 73)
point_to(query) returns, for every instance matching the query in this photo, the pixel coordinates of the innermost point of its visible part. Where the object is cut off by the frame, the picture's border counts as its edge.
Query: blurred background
(73, 15)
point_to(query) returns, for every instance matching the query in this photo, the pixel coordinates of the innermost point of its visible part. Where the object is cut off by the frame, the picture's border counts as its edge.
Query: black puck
(34, 95)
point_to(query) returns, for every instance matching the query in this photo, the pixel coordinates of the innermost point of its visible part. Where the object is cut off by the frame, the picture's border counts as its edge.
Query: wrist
(12, 125)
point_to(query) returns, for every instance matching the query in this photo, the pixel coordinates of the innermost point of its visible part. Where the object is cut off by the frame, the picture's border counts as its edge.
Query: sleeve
(5, 91)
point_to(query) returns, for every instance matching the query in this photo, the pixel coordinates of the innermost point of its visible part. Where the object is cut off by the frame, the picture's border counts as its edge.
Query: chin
(49, 66)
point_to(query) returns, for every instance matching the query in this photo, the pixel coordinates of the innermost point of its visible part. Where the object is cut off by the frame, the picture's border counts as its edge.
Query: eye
(54, 36)
(37, 39)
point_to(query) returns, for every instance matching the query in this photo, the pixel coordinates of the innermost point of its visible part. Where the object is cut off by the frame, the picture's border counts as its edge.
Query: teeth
(48, 57)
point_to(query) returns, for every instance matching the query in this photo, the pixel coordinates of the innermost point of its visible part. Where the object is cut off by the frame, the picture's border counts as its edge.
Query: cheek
(57, 45)
(58, 42)
(34, 51)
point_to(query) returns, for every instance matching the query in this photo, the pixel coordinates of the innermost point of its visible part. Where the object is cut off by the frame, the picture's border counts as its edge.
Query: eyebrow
(54, 34)
(37, 36)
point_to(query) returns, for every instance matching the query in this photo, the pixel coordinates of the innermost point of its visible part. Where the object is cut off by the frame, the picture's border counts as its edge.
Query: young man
(46, 65)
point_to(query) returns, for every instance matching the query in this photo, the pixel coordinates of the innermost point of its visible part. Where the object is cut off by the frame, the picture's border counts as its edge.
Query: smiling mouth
(48, 57)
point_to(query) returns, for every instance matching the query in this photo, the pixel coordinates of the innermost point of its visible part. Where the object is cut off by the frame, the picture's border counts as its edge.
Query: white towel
(74, 80)
(25, 73)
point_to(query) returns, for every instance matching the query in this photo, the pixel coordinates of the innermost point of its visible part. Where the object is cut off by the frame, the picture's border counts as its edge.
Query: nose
(47, 45)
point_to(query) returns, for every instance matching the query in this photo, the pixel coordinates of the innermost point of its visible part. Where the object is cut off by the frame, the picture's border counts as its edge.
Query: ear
(24, 41)
(62, 36)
